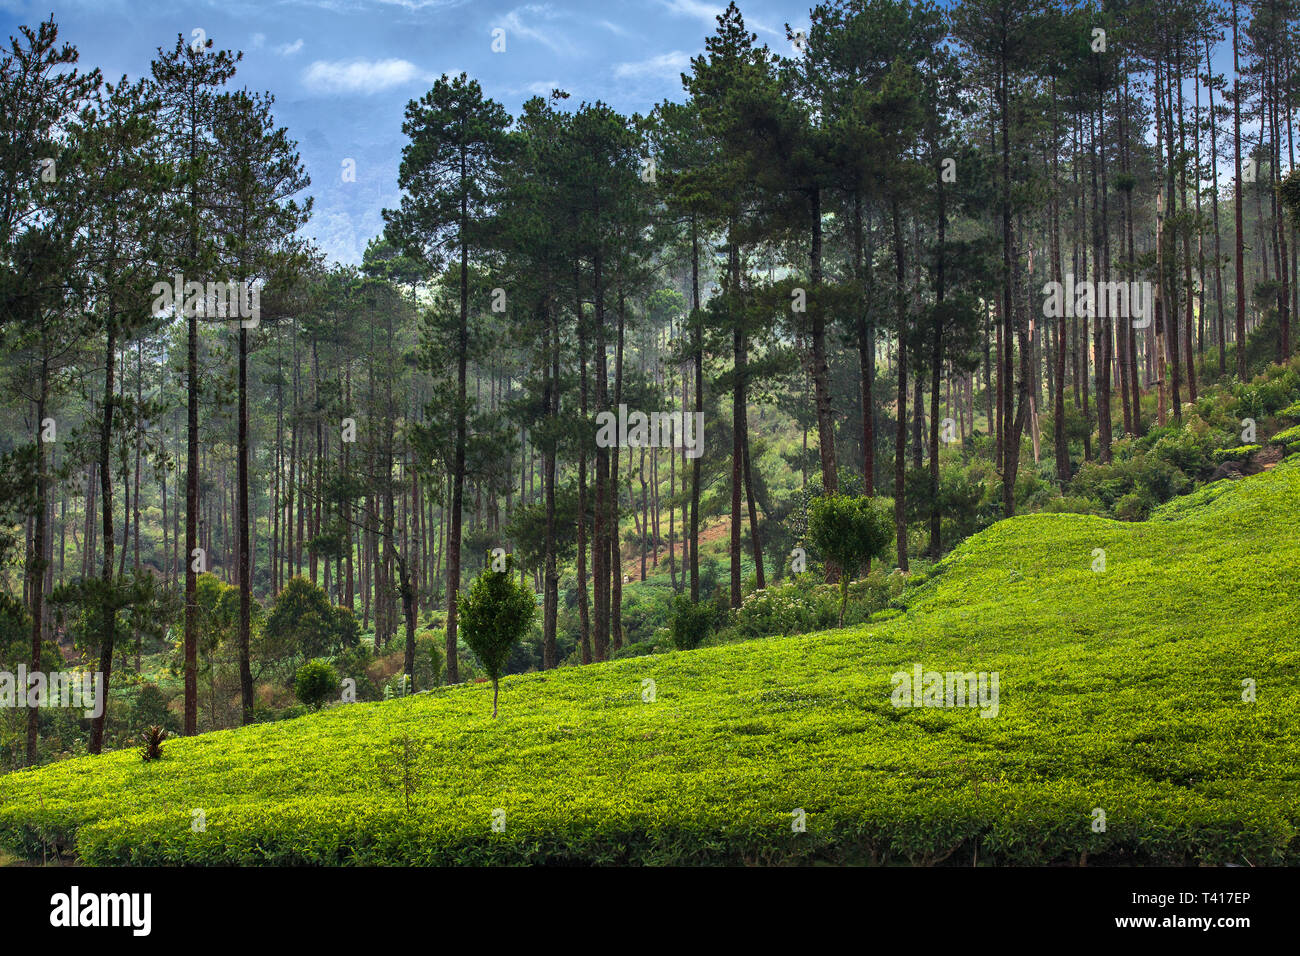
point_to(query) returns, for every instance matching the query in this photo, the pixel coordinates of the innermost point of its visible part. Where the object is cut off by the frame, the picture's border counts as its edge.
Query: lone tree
(850, 532)
(496, 613)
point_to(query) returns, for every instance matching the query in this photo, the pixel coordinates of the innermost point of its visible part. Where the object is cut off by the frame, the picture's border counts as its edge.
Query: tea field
(1149, 692)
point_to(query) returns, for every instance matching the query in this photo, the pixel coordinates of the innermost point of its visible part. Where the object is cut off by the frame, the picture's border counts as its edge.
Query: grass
(1120, 691)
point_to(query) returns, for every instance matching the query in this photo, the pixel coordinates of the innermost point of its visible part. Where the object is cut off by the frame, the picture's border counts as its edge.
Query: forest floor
(1146, 711)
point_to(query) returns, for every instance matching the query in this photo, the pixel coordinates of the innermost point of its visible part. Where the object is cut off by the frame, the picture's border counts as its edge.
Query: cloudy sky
(342, 71)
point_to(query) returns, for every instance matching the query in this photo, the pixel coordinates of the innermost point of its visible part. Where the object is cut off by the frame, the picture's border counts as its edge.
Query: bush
(802, 604)
(850, 532)
(315, 683)
(1240, 453)
(354, 664)
(150, 709)
(691, 622)
(1132, 507)
(153, 741)
(429, 660)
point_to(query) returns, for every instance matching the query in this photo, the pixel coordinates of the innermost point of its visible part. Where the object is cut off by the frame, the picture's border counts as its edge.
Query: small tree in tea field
(495, 615)
(850, 532)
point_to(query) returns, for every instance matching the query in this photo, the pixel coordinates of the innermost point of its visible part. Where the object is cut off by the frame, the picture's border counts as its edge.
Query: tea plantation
(1148, 713)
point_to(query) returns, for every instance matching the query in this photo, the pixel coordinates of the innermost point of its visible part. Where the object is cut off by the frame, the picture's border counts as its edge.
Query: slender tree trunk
(900, 435)
(108, 609)
(35, 563)
(1239, 248)
(245, 554)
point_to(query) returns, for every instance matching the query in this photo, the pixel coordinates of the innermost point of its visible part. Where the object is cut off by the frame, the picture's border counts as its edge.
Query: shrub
(1287, 436)
(315, 683)
(429, 660)
(1240, 453)
(850, 532)
(150, 709)
(1132, 507)
(802, 604)
(496, 613)
(153, 741)
(691, 622)
(354, 663)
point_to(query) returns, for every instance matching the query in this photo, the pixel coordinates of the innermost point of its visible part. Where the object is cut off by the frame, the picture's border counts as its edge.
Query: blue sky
(342, 71)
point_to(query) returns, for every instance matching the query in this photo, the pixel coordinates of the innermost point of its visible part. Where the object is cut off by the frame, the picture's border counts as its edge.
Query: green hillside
(1120, 690)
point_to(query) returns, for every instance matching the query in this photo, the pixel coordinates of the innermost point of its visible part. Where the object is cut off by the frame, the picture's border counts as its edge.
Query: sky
(342, 71)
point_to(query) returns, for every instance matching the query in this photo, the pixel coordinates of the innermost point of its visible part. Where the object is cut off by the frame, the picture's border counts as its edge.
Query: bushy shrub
(645, 607)
(1073, 504)
(429, 659)
(303, 623)
(150, 709)
(1240, 453)
(315, 683)
(1133, 507)
(691, 622)
(802, 604)
(355, 663)
(850, 532)
(1186, 449)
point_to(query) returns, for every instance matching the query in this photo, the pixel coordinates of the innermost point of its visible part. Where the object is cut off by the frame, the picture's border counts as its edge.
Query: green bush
(1240, 453)
(851, 532)
(802, 604)
(354, 663)
(303, 623)
(315, 683)
(429, 659)
(691, 622)
(150, 709)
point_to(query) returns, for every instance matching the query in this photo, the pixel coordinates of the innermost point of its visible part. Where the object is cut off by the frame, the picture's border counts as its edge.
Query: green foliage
(429, 659)
(850, 532)
(315, 683)
(801, 605)
(303, 623)
(150, 709)
(354, 663)
(1240, 453)
(496, 613)
(691, 622)
(1107, 699)
(1286, 436)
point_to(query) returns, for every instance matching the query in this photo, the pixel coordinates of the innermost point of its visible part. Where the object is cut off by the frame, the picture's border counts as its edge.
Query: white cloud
(554, 40)
(360, 76)
(259, 39)
(614, 28)
(693, 8)
(665, 64)
(288, 49)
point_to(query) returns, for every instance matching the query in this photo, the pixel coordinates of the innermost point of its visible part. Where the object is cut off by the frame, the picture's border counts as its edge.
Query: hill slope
(1120, 691)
